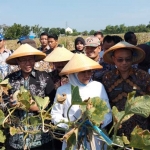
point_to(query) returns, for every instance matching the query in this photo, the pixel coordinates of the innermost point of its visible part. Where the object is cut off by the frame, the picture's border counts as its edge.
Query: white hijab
(74, 80)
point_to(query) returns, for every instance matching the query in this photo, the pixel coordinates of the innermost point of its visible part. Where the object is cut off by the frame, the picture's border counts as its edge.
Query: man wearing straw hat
(59, 57)
(125, 79)
(38, 83)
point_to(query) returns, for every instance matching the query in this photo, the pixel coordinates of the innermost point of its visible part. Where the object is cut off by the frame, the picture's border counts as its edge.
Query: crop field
(68, 41)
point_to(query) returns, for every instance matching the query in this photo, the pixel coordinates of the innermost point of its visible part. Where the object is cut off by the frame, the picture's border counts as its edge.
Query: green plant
(93, 111)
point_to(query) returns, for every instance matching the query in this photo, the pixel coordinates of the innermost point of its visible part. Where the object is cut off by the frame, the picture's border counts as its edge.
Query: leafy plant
(92, 115)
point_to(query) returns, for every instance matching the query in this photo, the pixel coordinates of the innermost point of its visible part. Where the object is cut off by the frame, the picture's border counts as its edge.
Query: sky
(77, 14)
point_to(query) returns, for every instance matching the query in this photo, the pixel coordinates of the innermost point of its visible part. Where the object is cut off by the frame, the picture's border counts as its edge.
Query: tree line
(17, 30)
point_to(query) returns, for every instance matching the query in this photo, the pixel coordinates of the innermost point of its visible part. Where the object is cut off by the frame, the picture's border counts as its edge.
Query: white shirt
(93, 89)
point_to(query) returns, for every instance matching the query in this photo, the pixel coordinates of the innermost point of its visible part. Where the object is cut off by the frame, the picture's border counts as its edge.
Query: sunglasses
(123, 59)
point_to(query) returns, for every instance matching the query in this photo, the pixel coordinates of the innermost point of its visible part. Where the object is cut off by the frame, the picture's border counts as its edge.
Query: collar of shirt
(5, 51)
(41, 48)
(32, 73)
(131, 72)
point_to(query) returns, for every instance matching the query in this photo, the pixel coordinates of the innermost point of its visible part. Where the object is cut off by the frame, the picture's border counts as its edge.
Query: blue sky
(79, 14)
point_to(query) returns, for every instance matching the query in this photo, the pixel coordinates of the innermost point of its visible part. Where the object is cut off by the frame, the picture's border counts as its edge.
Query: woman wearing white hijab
(79, 71)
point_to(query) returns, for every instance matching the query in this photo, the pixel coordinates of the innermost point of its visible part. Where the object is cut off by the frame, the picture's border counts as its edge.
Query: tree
(47, 30)
(62, 31)
(37, 30)
(85, 33)
(92, 32)
(13, 32)
(25, 31)
(54, 31)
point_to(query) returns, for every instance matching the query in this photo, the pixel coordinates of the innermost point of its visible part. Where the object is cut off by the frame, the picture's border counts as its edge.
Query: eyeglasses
(24, 61)
(123, 59)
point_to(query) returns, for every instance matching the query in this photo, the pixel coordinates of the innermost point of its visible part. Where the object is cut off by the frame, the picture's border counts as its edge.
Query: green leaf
(98, 111)
(118, 115)
(125, 140)
(139, 105)
(2, 137)
(71, 142)
(34, 120)
(76, 98)
(140, 138)
(42, 102)
(26, 104)
(131, 95)
(46, 115)
(6, 81)
(2, 117)
(118, 140)
(2, 148)
(13, 131)
(24, 96)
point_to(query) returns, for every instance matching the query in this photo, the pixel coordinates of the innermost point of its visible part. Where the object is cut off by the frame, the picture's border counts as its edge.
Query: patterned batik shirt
(118, 89)
(40, 84)
(98, 74)
(6, 69)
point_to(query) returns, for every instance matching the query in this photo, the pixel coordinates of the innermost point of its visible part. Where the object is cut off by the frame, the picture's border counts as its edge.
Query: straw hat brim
(78, 63)
(59, 54)
(138, 53)
(25, 50)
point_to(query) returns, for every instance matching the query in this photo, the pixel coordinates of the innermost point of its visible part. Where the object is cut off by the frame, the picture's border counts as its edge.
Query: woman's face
(79, 46)
(85, 76)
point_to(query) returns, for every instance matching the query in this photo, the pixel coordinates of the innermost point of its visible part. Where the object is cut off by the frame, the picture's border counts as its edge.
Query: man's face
(26, 63)
(44, 40)
(52, 43)
(79, 46)
(60, 65)
(133, 40)
(92, 52)
(122, 59)
(2, 44)
(107, 45)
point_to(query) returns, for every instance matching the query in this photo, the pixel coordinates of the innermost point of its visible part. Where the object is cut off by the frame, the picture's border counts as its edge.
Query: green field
(68, 41)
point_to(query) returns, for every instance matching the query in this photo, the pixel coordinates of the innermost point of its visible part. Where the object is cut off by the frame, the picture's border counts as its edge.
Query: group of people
(105, 67)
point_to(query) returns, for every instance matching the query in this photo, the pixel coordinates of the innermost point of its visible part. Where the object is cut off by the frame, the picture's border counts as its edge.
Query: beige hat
(138, 53)
(92, 41)
(78, 63)
(59, 54)
(25, 50)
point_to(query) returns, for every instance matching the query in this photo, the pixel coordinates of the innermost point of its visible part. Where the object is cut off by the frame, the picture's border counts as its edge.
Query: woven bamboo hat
(59, 54)
(138, 53)
(78, 63)
(25, 50)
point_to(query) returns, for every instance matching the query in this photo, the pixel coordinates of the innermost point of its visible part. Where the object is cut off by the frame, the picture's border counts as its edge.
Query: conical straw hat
(78, 63)
(59, 54)
(138, 53)
(25, 50)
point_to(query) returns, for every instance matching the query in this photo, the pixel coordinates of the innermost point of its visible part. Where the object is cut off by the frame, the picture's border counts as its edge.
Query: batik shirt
(118, 89)
(39, 84)
(98, 74)
(6, 69)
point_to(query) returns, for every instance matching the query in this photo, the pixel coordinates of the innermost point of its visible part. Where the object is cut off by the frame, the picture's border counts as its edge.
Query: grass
(68, 41)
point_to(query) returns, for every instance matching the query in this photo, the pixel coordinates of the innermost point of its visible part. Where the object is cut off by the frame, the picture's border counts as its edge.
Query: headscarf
(74, 80)
(77, 40)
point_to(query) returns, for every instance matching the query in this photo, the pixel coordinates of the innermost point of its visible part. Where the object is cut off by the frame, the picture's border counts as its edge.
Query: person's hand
(12, 102)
